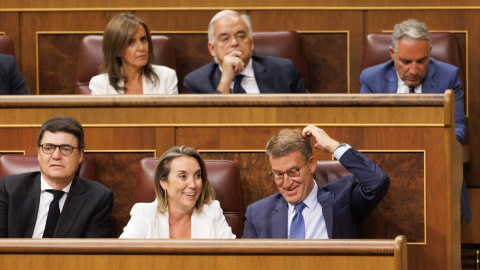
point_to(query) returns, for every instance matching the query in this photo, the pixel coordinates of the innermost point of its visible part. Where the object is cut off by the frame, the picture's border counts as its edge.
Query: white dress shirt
(167, 83)
(315, 227)
(404, 88)
(45, 199)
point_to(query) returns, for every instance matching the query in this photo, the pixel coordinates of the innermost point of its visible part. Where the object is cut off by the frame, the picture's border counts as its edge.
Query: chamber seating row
(285, 44)
(223, 175)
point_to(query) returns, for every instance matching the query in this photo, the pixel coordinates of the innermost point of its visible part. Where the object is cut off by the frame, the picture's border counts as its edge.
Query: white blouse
(148, 222)
(167, 83)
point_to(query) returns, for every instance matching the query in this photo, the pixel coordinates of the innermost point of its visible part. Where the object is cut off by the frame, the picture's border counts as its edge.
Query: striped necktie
(297, 227)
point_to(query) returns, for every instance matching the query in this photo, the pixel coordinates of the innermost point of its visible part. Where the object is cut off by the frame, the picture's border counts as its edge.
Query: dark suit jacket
(273, 75)
(345, 202)
(85, 214)
(11, 80)
(440, 77)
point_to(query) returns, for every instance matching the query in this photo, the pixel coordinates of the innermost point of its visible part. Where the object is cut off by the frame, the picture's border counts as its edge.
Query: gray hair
(410, 29)
(224, 13)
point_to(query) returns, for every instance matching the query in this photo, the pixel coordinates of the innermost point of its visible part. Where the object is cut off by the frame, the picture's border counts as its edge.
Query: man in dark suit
(55, 202)
(302, 209)
(412, 70)
(11, 80)
(235, 70)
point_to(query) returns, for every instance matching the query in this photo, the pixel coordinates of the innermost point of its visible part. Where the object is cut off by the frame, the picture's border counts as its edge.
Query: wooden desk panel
(127, 128)
(203, 254)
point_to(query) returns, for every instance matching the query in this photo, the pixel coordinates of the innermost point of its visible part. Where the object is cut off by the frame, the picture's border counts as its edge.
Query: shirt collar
(405, 88)
(248, 71)
(311, 200)
(44, 185)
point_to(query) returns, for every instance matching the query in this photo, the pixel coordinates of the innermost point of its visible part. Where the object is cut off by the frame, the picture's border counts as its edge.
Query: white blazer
(148, 222)
(167, 83)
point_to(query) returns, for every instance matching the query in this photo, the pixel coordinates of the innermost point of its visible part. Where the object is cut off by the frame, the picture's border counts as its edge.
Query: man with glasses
(55, 203)
(304, 210)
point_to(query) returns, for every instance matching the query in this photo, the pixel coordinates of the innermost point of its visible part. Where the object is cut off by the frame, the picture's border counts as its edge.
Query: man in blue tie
(302, 208)
(235, 70)
(412, 70)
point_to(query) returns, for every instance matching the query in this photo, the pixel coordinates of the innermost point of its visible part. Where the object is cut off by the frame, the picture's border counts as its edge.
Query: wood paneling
(9, 25)
(411, 137)
(470, 231)
(110, 167)
(219, 4)
(204, 254)
(326, 55)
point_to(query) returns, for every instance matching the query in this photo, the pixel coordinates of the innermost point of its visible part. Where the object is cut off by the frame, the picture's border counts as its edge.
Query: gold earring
(166, 202)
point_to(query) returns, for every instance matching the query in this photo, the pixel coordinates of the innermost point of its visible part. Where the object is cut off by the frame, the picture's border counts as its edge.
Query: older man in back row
(235, 70)
(412, 70)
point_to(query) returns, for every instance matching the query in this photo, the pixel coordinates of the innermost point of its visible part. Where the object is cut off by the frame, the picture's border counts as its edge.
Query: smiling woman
(127, 66)
(185, 205)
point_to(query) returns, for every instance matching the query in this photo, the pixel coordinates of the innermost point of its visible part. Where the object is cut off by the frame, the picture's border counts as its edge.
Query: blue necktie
(411, 89)
(237, 87)
(297, 227)
(53, 213)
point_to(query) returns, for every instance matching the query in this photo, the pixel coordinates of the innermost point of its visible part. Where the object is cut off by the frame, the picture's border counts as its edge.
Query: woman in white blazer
(185, 206)
(127, 61)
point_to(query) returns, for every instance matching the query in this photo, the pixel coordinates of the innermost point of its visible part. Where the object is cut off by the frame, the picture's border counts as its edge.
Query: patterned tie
(53, 213)
(237, 87)
(411, 89)
(297, 227)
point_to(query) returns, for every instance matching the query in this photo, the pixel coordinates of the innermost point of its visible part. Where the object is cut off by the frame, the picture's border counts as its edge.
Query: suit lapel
(280, 220)
(217, 74)
(428, 84)
(326, 201)
(390, 84)
(30, 201)
(71, 208)
(260, 71)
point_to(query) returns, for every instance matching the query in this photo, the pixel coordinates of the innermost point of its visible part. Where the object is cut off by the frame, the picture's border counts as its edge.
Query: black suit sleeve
(16, 83)
(297, 86)
(3, 209)
(99, 226)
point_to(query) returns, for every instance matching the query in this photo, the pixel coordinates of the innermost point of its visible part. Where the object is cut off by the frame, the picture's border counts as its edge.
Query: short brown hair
(66, 124)
(116, 37)
(162, 170)
(287, 141)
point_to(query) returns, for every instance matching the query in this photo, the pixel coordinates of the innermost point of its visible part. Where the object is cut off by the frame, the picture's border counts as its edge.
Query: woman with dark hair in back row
(127, 61)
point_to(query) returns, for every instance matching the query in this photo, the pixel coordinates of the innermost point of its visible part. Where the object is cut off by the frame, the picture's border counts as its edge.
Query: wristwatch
(341, 145)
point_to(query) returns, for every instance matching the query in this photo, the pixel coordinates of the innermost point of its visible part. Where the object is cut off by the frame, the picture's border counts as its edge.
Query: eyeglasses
(65, 149)
(291, 173)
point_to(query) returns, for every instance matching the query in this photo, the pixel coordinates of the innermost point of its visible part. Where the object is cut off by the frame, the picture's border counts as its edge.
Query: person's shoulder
(272, 60)
(6, 57)
(100, 78)
(92, 185)
(443, 66)
(213, 206)
(6, 61)
(146, 206)
(378, 68)
(267, 203)
(201, 71)
(17, 178)
(163, 69)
